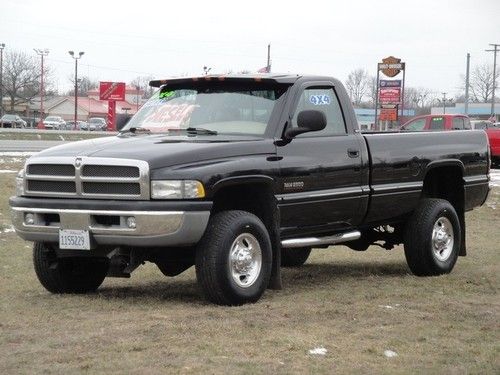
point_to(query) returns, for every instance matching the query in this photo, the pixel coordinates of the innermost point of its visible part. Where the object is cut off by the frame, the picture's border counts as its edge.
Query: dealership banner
(112, 91)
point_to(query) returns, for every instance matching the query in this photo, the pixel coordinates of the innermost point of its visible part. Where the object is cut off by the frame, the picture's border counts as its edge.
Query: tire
(294, 257)
(68, 275)
(432, 238)
(223, 253)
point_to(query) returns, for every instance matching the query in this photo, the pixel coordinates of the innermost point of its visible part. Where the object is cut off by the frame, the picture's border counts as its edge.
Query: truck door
(321, 172)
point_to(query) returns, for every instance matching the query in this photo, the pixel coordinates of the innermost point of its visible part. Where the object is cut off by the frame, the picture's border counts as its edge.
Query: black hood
(164, 150)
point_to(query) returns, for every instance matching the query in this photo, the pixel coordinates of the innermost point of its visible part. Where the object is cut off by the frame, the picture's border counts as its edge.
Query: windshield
(9, 117)
(96, 121)
(222, 108)
(52, 118)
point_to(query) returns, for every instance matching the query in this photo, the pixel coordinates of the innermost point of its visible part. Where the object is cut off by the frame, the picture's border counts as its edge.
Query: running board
(316, 241)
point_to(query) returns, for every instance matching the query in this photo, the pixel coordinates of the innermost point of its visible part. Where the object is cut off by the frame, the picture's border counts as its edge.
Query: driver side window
(324, 100)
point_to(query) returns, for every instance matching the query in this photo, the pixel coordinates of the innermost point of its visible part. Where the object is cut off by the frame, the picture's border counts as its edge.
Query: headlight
(175, 189)
(20, 183)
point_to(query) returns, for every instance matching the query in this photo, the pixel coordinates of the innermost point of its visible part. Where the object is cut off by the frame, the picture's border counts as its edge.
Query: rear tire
(432, 238)
(68, 275)
(233, 258)
(294, 257)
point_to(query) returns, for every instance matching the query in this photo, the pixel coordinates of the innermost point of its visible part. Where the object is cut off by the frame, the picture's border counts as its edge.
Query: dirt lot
(351, 307)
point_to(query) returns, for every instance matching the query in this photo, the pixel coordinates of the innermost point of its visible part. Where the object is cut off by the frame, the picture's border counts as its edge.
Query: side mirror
(308, 121)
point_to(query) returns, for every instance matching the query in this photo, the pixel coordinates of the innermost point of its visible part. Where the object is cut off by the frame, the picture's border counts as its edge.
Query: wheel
(432, 238)
(68, 275)
(294, 257)
(233, 258)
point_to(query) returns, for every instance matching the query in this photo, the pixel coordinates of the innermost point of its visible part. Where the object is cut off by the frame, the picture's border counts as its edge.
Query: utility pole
(42, 53)
(466, 104)
(76, 58)
(2, 46)
(444, 102)
(268, 68)
(494, 50)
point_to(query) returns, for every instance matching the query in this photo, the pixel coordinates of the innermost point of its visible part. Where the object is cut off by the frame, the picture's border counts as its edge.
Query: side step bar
(316, 241)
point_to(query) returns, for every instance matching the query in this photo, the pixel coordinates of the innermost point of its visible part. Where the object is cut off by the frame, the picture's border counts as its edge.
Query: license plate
(74, 239)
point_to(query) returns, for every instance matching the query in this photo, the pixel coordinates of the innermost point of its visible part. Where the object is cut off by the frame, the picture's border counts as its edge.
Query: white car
(54, 122)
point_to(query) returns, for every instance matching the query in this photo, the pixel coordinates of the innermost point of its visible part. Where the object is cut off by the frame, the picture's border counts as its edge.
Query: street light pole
(2, 46)
(76, 58)
(42, 53)
(444, 102)
(494, 50)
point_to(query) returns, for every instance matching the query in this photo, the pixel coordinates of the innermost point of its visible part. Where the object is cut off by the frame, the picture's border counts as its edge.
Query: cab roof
(234, 78)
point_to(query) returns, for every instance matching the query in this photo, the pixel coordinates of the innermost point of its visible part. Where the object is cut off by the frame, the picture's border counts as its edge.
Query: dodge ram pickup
(238, 176)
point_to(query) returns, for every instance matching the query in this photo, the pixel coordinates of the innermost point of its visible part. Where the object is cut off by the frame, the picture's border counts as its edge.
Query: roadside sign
(391, 66)
(388, 95)
(112, 91)
(390, 83)
(387, 114)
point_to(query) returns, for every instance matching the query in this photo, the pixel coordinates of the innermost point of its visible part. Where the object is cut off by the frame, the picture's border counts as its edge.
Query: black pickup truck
(240, 175)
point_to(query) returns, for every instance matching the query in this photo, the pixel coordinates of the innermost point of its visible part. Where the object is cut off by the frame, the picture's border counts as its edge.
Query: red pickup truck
(455, 122)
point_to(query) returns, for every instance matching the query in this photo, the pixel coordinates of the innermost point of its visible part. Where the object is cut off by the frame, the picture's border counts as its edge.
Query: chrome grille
(51, 169)
(52, 186)
(87, 177)
(110, 171)
(111, 188)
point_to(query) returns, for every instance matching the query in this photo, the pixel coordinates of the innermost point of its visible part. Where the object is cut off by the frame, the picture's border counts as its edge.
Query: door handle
(352, 153)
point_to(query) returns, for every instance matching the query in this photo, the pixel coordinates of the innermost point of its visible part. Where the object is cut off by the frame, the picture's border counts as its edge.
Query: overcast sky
(124, 39)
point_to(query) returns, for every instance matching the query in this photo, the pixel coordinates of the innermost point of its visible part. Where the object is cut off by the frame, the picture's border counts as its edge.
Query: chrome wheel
(245, 260)
(442, 239)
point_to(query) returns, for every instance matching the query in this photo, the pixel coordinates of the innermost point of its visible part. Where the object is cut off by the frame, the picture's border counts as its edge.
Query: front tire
(432, 238)
(233, 258)
(68, 275)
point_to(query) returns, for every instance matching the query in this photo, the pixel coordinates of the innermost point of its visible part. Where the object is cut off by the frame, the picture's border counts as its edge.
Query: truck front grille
(111, 188)
(52, 186)
(51, 169)
(87, 177)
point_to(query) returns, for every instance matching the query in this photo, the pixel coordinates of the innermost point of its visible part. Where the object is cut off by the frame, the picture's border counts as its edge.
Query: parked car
(238, 185)
(481, 124)
(95, 123)
(437, 122)
(12, 121)
(54, 122)
(70, 125)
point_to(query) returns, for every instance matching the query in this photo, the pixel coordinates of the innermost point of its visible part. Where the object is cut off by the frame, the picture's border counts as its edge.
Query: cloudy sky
(123, 40)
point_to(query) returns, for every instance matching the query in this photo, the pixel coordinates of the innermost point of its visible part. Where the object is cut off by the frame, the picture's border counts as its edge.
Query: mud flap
(275, 282)
(463, 246)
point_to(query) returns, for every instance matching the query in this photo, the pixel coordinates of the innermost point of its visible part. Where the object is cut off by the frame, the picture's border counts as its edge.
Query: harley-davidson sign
(391, 66)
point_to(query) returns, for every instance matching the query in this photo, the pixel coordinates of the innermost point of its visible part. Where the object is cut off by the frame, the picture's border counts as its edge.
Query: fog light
(131, 223)
(29, 219)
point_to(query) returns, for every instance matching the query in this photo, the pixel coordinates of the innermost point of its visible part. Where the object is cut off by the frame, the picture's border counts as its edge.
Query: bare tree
(481, 83)
(22, 77)
(372, 90)
(357, 85)
(85, 84)
(142, 82)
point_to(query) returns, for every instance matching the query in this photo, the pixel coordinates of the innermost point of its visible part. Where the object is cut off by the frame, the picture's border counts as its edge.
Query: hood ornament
(78, 162)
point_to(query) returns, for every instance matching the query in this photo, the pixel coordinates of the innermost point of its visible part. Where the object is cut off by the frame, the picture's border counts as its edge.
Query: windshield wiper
(135, 130)
(190, 130)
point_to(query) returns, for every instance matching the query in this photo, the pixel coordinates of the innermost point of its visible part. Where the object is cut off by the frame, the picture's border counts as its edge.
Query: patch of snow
(495, 177)
(61, 137)
(7, 171)
(17, 153)
(390, 354)
(386, 306)
(8, 230)
(318, 351)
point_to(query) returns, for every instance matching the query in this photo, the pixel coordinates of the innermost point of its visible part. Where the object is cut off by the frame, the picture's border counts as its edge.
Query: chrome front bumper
(152, 228)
